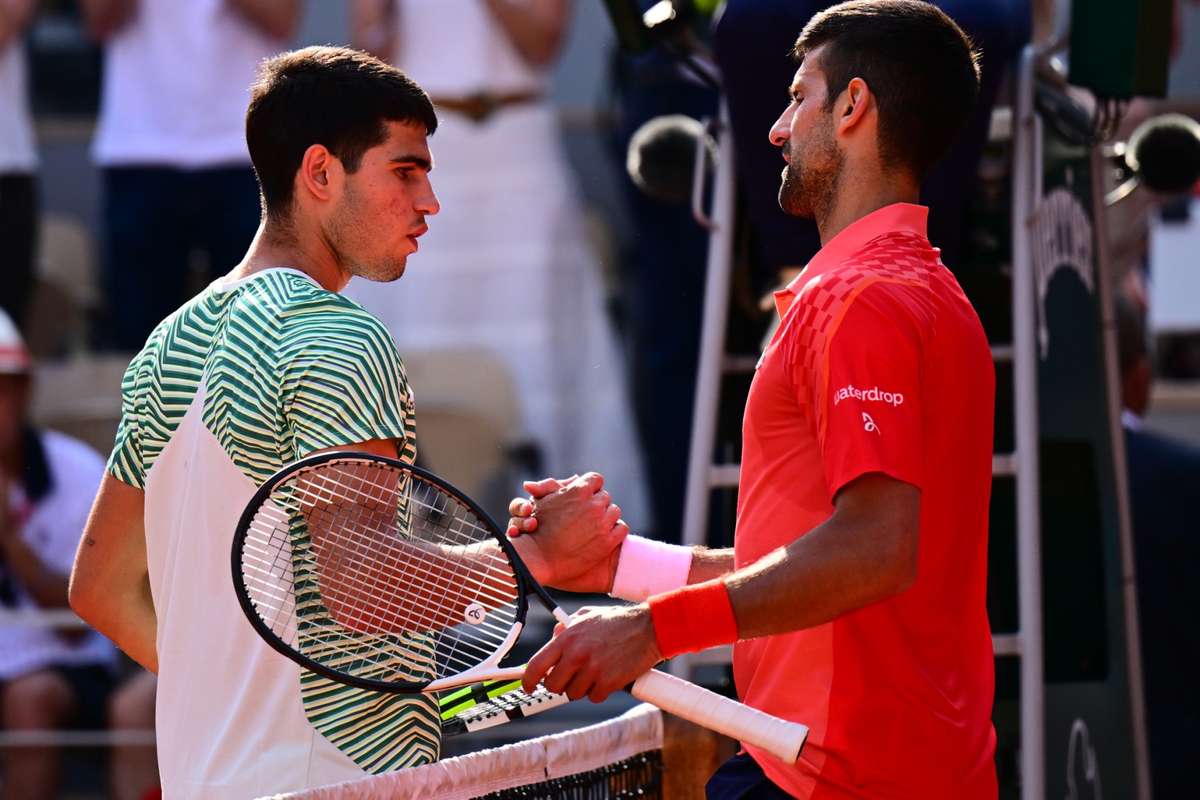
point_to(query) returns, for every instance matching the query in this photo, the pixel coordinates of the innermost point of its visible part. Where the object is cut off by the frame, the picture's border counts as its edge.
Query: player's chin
(390, 270)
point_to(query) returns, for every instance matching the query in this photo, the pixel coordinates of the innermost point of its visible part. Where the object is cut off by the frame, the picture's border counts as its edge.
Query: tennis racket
(380, 575)
(491, 703)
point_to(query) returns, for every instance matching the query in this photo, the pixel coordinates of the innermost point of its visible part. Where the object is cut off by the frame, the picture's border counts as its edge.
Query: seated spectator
(131, 709)
(48, 678)
(18, 160)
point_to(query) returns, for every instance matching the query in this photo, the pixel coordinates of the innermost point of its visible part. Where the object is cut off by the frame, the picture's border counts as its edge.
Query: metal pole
(1027, 176)
(712, 346)
(712, 338)
(1104, 276)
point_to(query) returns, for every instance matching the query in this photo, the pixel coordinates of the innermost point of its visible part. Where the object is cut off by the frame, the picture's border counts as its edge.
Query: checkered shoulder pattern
(900, 260)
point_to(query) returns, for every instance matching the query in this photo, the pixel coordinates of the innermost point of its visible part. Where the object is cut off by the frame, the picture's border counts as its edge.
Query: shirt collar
(897, 217)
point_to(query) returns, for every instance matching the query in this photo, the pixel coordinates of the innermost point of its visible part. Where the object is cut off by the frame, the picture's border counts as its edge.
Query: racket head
(341, 537)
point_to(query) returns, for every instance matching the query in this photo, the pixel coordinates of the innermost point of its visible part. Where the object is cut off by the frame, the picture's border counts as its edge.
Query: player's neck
(277, 245)
(860, 194)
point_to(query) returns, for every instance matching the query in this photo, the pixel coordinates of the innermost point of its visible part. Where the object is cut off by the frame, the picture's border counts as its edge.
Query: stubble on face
(814, 165)
(354, 243)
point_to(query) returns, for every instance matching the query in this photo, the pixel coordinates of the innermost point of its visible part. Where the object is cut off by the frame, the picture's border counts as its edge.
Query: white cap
(14, 356)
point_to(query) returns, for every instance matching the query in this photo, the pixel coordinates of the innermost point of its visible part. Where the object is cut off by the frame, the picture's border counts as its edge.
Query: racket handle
(696, 704)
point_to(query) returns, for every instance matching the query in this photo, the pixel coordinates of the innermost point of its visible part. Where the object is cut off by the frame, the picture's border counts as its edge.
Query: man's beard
(810, 179)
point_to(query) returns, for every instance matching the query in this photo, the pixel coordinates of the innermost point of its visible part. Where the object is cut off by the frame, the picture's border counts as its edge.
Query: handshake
(568, 532)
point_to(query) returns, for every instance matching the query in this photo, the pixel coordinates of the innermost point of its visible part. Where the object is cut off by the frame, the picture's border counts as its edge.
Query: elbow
(81, 598)
(902, 562)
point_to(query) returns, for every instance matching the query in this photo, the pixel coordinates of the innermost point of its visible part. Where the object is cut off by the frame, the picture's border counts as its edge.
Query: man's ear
(854, 105)
(320, 174)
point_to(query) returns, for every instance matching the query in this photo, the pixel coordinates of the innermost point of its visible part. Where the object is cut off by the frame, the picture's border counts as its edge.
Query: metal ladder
(703, 476)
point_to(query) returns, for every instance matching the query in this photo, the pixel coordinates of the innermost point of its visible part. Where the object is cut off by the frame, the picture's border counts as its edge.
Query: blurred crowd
(515, 280)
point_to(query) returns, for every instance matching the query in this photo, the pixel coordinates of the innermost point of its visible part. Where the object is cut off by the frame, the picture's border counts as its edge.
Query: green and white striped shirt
(244, 379)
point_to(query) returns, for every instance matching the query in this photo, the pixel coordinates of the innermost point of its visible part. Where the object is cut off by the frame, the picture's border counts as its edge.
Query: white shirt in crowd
(176, 85)
(465, 45)
(17, 150)
(52, 530)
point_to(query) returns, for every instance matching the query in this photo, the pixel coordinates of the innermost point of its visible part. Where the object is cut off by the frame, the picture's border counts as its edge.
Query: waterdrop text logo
(874, 395)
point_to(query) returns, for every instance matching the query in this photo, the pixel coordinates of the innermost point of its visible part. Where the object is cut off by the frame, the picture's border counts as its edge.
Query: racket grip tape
(696, 704)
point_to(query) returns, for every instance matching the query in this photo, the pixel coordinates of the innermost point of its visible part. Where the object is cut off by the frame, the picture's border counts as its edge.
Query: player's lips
(412, 237)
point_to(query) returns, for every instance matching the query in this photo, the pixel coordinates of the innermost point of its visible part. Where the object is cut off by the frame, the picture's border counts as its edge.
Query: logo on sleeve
(869, 424)
(874, 395)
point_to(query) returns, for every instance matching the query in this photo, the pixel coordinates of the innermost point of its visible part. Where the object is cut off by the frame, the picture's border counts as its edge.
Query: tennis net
(621, 758)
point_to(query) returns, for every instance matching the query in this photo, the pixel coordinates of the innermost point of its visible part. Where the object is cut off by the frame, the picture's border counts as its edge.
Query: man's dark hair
(921, 67)
(333, 96)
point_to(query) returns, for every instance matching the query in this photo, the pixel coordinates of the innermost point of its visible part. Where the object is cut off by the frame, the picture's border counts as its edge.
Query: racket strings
(368, 569)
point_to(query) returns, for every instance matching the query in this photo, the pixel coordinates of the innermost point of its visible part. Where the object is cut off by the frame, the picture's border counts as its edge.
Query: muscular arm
(709, 563)
(536, 28)
(275, 18)
(110, 583)
(103, 18)
(865, 552)
(14, 17)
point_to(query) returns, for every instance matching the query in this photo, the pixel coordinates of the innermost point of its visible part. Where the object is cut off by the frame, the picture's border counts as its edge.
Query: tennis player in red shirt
(855, 590)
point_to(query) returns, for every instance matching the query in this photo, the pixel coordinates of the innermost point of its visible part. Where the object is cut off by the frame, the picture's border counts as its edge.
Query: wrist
(645, 567)
(693, 618)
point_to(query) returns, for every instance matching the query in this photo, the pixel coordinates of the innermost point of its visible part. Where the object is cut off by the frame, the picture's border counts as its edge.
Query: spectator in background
(48, 678)
(1163, 475)
(171, 143)
(18, 159)
(134, 767)
(663, 265)
(506, 266)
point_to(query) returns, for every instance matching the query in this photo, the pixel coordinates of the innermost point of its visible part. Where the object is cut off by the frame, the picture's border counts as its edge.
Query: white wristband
(646, 567)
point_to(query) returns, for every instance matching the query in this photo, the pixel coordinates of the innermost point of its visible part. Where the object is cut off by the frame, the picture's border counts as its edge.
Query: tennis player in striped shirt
(265, 366)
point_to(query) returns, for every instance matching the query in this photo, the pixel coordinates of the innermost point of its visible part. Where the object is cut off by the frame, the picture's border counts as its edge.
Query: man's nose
(428, 204)
(781, 129)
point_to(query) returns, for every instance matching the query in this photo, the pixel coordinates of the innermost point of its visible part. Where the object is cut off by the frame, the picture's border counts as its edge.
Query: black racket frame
(526, 585)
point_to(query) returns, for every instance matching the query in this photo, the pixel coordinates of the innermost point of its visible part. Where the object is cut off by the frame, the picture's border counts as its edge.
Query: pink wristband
(693, 618)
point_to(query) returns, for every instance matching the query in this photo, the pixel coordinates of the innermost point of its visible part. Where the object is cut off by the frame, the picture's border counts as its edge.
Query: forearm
(407, 587)
(833, 570)
(708, 563)
(275, 18)
(535, 28)
(103, 18)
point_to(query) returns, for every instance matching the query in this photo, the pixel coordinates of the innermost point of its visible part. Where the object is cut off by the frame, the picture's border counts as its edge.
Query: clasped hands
(569, 533)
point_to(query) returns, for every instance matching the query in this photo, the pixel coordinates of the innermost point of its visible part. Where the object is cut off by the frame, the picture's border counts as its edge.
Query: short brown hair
(334, 96)
(921, 67)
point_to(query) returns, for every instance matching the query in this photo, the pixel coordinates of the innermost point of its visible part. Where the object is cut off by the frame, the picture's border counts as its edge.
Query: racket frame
(488, 669)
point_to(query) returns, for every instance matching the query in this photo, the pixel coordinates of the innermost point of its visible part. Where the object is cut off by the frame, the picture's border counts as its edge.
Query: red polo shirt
(879, 365)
